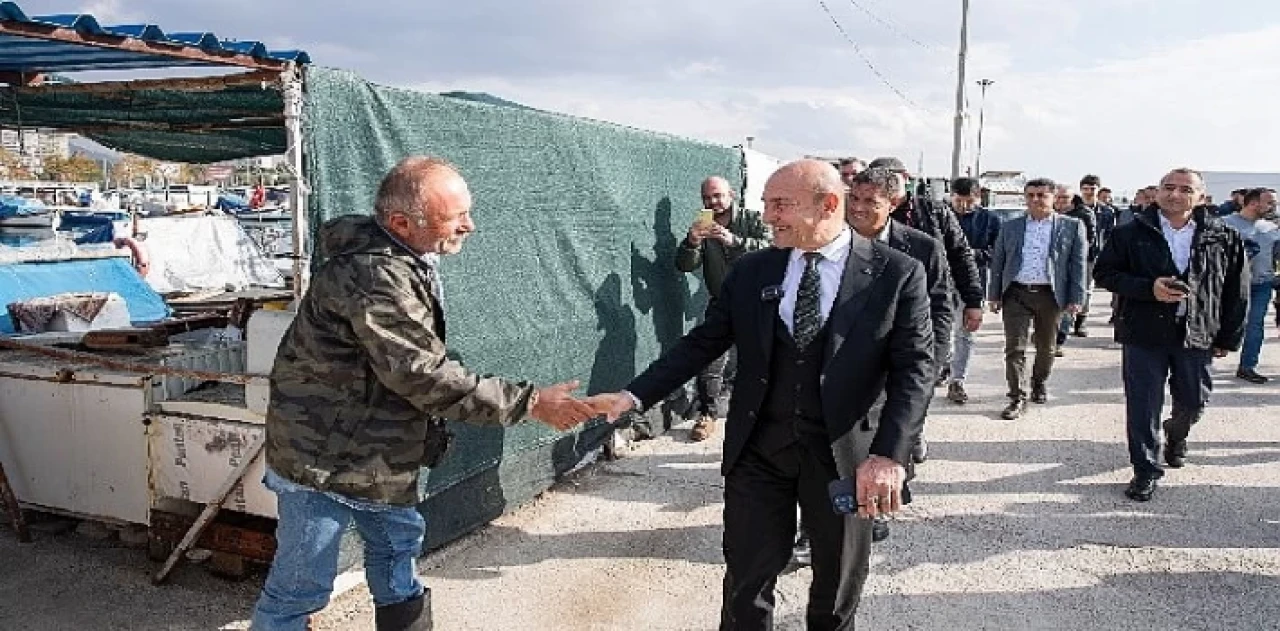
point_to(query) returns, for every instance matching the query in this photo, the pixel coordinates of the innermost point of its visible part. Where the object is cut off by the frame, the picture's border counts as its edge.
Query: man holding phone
(1184, 291)
(721, 233)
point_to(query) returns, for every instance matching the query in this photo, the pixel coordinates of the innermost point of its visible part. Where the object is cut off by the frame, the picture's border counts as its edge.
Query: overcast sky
(1122, 88)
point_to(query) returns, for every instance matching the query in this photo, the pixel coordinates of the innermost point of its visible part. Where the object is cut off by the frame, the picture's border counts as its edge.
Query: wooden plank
(180, 84)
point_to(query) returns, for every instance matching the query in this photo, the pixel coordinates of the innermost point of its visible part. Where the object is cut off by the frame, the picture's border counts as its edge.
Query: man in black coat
(1183, 282)
(935, 220)
(826, 323)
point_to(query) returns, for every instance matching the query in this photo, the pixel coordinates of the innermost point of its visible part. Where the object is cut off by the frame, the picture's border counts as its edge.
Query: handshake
(555, 406)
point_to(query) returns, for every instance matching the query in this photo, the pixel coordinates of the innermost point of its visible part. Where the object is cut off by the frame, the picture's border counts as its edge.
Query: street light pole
(959, 125)
(982, 107)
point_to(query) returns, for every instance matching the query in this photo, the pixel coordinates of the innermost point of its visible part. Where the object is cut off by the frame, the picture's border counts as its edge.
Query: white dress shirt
(1036, 242)
(1179, 240)
(830, 268)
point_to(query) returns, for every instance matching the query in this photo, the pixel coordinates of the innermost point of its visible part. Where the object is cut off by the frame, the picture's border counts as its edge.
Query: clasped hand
(557, 407)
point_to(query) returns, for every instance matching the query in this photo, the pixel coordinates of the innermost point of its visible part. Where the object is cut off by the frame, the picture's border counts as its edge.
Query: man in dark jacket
(714, 246)
(360, 389)
(981, 229)
(1183, 284)
(921, 213)
(1073, 206)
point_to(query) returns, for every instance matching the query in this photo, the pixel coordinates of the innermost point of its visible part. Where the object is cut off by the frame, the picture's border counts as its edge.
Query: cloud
(1124, 88)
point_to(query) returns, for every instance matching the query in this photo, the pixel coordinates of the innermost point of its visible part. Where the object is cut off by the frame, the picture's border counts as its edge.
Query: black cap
(892, 164)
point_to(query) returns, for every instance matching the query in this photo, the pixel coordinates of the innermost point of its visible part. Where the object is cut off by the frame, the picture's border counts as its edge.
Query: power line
(871, 66)
(894, 29)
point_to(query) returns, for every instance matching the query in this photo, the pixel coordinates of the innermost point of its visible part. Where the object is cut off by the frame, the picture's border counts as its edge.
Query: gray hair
(1185, 171)
(404, 188)
(885, 181)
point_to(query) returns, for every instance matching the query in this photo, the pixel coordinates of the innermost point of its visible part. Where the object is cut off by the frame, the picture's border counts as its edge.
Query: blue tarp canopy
(75, 42)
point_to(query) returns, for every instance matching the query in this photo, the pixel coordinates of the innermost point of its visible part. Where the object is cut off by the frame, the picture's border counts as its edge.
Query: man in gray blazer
(1037, 274)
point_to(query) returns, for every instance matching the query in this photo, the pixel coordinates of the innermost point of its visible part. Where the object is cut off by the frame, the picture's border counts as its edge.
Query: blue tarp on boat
(24, 281)
(14, 206)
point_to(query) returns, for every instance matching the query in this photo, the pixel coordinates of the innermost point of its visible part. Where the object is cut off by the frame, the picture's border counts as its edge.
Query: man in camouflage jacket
(359, 390)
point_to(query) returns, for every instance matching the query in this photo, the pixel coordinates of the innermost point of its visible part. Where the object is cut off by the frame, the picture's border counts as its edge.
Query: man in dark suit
(825, 323)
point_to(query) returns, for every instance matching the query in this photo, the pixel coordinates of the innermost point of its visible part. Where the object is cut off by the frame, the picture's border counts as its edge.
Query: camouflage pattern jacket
(361, 382)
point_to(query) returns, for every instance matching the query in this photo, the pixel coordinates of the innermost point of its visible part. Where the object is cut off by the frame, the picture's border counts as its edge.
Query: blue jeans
(1255, 325)
(311, 524)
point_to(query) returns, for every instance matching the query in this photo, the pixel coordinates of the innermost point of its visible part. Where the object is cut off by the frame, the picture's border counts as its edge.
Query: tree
(11, 166)
(77, 168)
(134, 169)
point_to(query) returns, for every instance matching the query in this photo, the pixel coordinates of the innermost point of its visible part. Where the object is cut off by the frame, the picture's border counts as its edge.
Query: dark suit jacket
(880, 341)
(928, 251)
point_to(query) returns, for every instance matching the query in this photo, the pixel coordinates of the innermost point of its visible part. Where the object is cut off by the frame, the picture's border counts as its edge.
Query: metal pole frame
(982, 114)
(299, 191)
(959, 124)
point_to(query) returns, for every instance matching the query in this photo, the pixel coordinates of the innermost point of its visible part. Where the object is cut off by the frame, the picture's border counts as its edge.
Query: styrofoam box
(266, 329)
(113, 315)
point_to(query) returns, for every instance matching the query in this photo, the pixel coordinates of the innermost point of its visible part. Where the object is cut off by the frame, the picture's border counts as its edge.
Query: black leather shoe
(1175, 454)
(956, 393)
(1252, 376)
(1082, 329)
(1039, 394)
(1141, 489)
(1016, 409)
(879, 529)
(920, 452)
(410, 615)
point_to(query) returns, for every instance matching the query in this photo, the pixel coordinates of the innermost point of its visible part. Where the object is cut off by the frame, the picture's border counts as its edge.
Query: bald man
(824, 323)
(714, 247)
(359, 393)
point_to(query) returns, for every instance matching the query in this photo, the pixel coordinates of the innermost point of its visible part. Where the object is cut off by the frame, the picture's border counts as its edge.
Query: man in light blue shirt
(1262, 245)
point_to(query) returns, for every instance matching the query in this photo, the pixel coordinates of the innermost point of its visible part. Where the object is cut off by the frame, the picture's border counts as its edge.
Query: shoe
(920, 452)
(1082, 329)
(1039, 394)
(703, 428)
(956, 393)
(943, 377)
(801, 553)
(1057, 351)
(1016, 409)
(1062, 338)
(1175, 453)
(1252, 376)
(1141, 489)
(410, 615)
(879, 529)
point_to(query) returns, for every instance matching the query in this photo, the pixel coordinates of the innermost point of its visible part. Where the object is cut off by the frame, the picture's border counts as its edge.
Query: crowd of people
(842, 308)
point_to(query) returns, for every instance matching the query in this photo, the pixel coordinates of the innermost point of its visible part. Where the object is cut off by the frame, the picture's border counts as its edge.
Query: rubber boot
(410, 615)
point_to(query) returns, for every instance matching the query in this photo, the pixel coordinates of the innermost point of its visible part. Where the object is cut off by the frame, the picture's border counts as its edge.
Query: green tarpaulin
(570, 275)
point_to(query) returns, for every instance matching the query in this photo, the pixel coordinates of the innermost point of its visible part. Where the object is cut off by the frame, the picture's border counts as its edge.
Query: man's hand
(1220, 352)
(721, 234)
(994, 306)
(972, 319)
(1165, 293)
(556, 407)
(1072, 309)
(879, 486)
(697, 232)
(611, 404)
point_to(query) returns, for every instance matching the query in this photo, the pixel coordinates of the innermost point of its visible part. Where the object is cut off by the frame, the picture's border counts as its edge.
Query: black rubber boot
(410, 615)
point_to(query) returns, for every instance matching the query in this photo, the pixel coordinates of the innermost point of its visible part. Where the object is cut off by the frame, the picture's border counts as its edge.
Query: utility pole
(959, 127)
(982, 110)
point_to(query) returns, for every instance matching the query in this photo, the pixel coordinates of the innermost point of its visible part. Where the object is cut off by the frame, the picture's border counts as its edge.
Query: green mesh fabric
(570, 274)
(181, 126)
